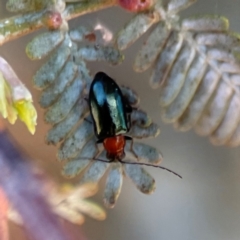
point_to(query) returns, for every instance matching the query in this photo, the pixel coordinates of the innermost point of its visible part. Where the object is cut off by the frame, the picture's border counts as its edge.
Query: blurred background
(205, 204)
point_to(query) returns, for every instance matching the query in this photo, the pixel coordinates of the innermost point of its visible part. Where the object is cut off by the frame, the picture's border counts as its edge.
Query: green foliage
(194, 64)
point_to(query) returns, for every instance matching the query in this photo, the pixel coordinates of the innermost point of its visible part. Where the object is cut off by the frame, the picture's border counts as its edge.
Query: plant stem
(20, 25)
(77, 9)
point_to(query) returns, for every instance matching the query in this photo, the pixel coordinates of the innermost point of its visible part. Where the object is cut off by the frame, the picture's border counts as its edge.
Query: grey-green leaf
(50, 70)
(137, 131)
(78, 34)
(215, 110)
(146, 153)
(50, 95)
(59, 110)
(229, 123)
(193, 78)
(141, 178)
(95, 172)
(92, 53)
(152, 47)
(175, 6)
(135, 28)
(74, 143)
(43, 44)
(206, 23)
(82, 160)
(60, 130)
(166, 59)
(113, 185)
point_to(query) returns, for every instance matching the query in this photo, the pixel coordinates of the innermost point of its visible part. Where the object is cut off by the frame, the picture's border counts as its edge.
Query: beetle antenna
(136, 163)
(151, 165)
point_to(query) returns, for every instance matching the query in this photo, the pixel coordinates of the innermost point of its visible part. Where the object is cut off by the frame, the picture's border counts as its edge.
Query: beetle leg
(128, 108)
(135, 108)
(127, 105)
(85, 119)
(86, 99)
(128, 138)
(99, 141)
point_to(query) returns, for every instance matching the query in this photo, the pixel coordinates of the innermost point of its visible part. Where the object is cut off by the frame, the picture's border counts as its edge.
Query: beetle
(111, 114)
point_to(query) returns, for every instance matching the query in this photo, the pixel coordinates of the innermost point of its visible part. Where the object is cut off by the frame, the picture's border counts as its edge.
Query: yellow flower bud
(15, 98)
(27, 113)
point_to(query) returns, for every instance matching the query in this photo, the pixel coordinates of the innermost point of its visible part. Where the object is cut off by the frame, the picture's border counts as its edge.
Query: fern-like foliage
(195, 62)
(67, 201)
(26, 5)
(195, 65)
(65, 80)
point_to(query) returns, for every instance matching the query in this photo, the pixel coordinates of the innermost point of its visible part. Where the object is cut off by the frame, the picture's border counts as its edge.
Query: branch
(18, 26)
(21, 25)
(82, 8)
